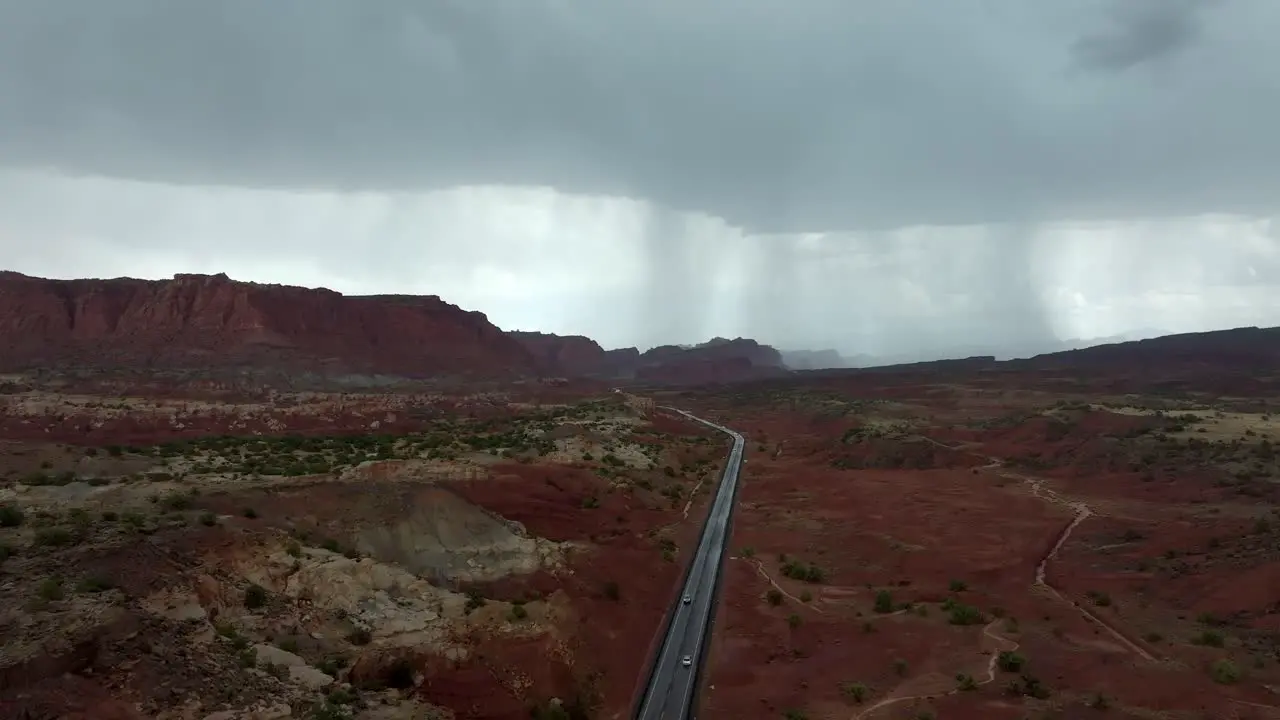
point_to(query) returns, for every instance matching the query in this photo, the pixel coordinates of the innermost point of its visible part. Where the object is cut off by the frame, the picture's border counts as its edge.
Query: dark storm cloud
(1142, 31)
(805, 115)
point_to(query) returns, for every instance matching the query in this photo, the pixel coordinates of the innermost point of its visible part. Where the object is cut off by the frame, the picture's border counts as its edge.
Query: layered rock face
(573, 355)
(211, 320)
(214, 322)
(760, 356)
(718, 360)
(622, 362)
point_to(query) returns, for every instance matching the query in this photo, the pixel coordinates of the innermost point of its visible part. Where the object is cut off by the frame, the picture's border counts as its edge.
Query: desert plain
(1089, 535)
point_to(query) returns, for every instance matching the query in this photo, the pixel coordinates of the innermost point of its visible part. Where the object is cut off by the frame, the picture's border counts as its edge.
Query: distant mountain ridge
(194, 321)
(211, 321)
(717, 360)
(833, 359)
(201, 322)
(1241, 362)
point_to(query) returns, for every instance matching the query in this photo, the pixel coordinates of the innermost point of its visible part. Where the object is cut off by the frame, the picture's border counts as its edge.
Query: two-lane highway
(672, 686)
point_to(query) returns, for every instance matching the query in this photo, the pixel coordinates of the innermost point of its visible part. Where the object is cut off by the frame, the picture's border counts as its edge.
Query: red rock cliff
(572, 355)
(211, 320)
(718, 360)
(760, 356)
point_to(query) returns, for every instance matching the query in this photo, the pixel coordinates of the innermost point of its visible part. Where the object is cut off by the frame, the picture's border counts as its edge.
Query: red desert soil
(913, 549)
(491, 558)
(221, 501)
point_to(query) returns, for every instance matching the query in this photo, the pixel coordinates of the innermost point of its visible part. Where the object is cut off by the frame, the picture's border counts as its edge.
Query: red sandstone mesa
(569, 354)
(208, 320)
(211, 321)
(717, 360)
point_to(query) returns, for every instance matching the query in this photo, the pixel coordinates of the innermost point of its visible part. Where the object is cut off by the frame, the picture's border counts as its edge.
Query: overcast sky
(871, 176)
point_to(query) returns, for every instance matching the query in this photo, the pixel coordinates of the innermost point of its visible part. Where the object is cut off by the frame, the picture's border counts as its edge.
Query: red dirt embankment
(619, 585)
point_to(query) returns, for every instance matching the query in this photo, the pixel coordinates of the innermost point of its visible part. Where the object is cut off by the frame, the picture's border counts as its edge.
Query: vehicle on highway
(670, 693)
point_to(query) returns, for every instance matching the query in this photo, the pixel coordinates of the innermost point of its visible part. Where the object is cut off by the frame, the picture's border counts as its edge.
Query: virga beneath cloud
(629, 273)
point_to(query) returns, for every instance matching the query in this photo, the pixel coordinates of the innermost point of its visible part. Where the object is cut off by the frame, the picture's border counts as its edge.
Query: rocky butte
(569, 354)
(717, 360)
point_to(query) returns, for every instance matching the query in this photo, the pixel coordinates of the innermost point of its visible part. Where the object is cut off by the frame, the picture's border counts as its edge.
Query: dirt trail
(760, 569)
(1003, 644)
(1272, 710)
(1082, 513)
(693, 495)
(759, 566)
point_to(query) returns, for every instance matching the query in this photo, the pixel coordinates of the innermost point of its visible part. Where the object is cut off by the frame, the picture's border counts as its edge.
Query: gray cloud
(806, 115)
(739, 124)
(1142, 31)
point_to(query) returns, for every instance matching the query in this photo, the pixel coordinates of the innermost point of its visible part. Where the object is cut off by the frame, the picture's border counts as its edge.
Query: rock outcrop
(718, 360)
(572, 355)
(212, 321)
(761, 356)
(622, 362)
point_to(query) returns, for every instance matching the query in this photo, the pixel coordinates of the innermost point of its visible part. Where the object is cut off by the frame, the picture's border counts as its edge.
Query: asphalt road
(672, 686)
